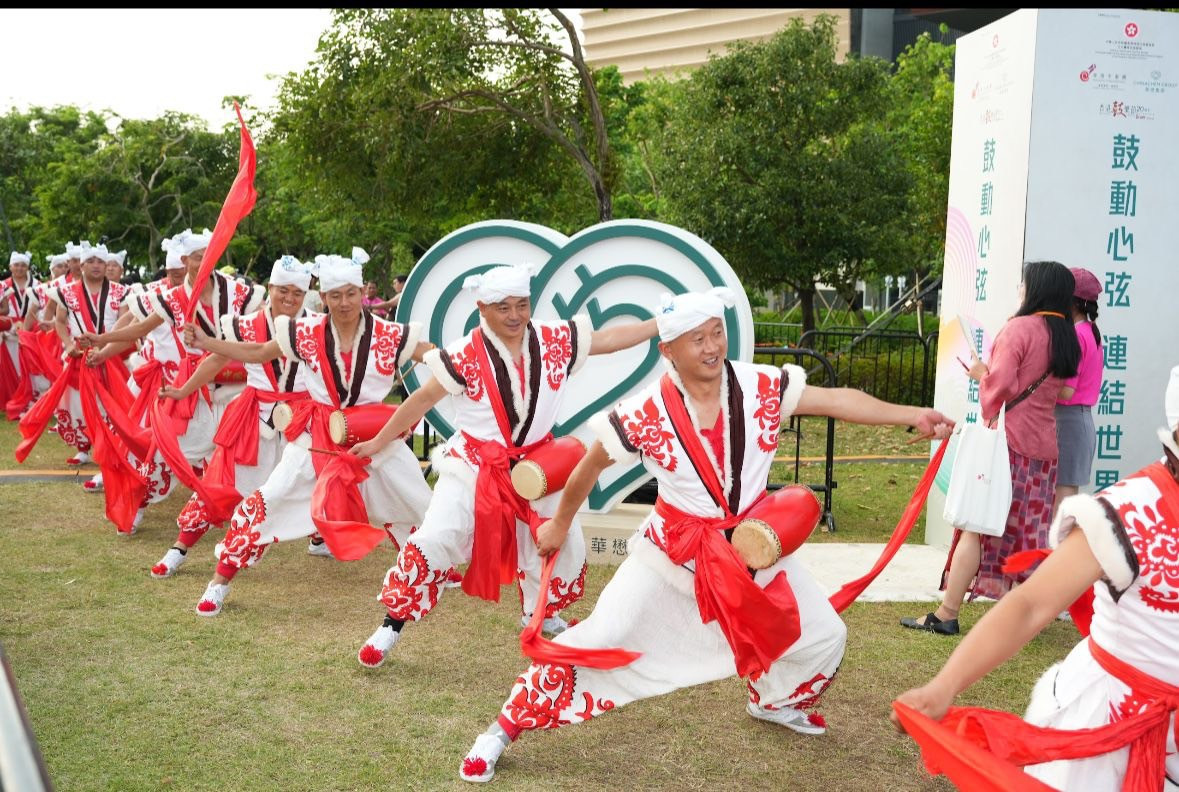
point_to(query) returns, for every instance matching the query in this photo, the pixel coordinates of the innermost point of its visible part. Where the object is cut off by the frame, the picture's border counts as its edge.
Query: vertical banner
(1080, 108)
(1103, 195)
(985, 221)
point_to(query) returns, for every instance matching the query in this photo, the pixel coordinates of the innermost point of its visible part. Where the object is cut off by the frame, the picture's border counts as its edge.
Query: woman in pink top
(1075, 434)
(1033, 354)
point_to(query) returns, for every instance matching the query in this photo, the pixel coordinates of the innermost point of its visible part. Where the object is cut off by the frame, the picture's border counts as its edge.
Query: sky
(141, 63)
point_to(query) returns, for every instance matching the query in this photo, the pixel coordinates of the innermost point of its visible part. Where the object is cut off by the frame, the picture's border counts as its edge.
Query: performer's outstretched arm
(603, 342)
(551, 533)
(408, 413)
(1006, 628)
(245, 351)
(130, 332)
(849, 404)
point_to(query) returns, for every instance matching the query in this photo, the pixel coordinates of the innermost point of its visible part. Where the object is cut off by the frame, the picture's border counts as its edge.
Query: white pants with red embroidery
(649, 607)
(412, 585)
(395, 495)
(193, 521)
(71, 425)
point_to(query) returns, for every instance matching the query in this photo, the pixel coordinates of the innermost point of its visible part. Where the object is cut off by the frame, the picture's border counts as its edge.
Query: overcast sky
(140, 63)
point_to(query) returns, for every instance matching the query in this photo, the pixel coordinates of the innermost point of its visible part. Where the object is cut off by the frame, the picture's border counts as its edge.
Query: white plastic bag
(979, 495)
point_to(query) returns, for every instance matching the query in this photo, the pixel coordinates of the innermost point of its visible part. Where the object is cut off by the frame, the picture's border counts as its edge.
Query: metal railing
(21, 765)
(893, 365)
(776, 333)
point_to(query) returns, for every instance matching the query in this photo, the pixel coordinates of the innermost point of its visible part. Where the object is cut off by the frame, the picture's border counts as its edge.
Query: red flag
(238, 204)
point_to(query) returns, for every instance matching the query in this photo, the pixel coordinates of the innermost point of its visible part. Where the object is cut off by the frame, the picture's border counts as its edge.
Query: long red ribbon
(238, 203)
(33, 425)
(123, 487)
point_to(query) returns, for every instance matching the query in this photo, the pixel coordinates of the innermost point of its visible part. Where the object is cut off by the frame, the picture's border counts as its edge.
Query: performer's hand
(45, 327)
(194, 336)
(977, 370)
(96, 357)
(369, 448)
(168, 392)
(929, 700)
(933, 424)
(550, 536)
(74, 351)
(421, 349)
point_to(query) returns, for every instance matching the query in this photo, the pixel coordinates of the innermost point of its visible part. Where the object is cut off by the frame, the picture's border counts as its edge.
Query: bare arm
(551, 533)
(1066, 393)
(849, 404)
(1007, 627)
(203, 375)
(245, 351)
(603, 342)
(61, 323)
(408, 413)
(133, 331)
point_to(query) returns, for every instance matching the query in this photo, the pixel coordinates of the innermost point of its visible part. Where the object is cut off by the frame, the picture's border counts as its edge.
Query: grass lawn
(128, 689)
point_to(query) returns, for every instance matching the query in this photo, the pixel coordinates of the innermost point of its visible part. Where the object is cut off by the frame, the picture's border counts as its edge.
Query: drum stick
(930, 436)
(324, 451)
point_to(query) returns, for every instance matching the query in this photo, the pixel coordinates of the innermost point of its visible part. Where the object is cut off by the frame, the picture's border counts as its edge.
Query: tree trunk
(806, 296)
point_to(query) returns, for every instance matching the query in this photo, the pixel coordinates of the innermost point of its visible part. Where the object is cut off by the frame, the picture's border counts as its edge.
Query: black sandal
(932, 624)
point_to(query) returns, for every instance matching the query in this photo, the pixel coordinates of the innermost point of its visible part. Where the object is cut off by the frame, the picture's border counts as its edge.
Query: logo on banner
(1131, 30)
(611, 271)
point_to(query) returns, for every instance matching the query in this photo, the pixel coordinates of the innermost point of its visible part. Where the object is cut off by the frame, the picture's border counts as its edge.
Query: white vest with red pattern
(281, 375)
(755, 399)
(20, 301)
(552, 353)
(230, 297)
(379, 349)
(89, 313)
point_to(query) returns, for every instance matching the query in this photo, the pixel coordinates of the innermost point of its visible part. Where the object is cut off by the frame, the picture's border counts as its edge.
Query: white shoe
(479, 764)
(320, 549)
(789, 717)
(210, 602)
(218, 549)
(553, 625)
(168, 564)
(80, 458)
(94, 485)
(454, 579)
(377, 647)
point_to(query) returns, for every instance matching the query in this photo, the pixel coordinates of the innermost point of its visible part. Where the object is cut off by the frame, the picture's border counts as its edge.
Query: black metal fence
(776, 333)
(896, 366)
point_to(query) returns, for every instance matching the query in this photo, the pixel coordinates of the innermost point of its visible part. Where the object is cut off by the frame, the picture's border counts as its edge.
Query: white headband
(289, 271)
(60, 258)
(683, 312)
(116, 258)
(172, 257)
(1171, 407)
(19, 258)
(336, 271)
(85, 251)
(500, 283)
(186, 242)
(72, 250)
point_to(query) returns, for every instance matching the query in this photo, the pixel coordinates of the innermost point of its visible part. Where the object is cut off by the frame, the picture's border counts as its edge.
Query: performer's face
(192, 263)
(20, 270)
(74, 266)
(93, 268)
(57, 270)
(286, 300)
(507, 318)
(175, 276)
(699, 354)
(114, 270)
(344, 303)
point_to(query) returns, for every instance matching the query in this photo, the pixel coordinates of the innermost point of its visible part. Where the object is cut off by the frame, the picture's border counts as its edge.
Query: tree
(756, 156)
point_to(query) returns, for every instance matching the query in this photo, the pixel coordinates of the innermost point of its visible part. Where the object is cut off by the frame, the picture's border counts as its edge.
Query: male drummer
(708, 433)
(509, 377)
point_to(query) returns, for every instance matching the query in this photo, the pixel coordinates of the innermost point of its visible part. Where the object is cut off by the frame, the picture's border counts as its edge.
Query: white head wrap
(289, 271)
(72, 251)
(15, 257)
(116, 258)
(59, 258)
(1171, 407)
(186, 242)
(86, 251)
(172, 255)
(337, 271)
(683, 312)
(500, 283)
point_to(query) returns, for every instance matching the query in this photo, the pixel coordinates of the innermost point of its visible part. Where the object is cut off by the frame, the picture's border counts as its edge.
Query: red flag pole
(238, 204)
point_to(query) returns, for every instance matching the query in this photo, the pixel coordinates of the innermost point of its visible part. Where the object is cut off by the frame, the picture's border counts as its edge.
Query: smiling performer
(509, 377)
(349, 358)
(248, 446)
(708, 433)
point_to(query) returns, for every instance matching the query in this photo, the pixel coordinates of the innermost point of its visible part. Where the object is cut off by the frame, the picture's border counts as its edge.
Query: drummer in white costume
(249, 449)
(519, 374)
(349, 358)
(1126, 552)
(708, 412)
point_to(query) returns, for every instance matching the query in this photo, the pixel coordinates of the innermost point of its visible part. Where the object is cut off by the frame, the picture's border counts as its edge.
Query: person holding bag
(1033, 354)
